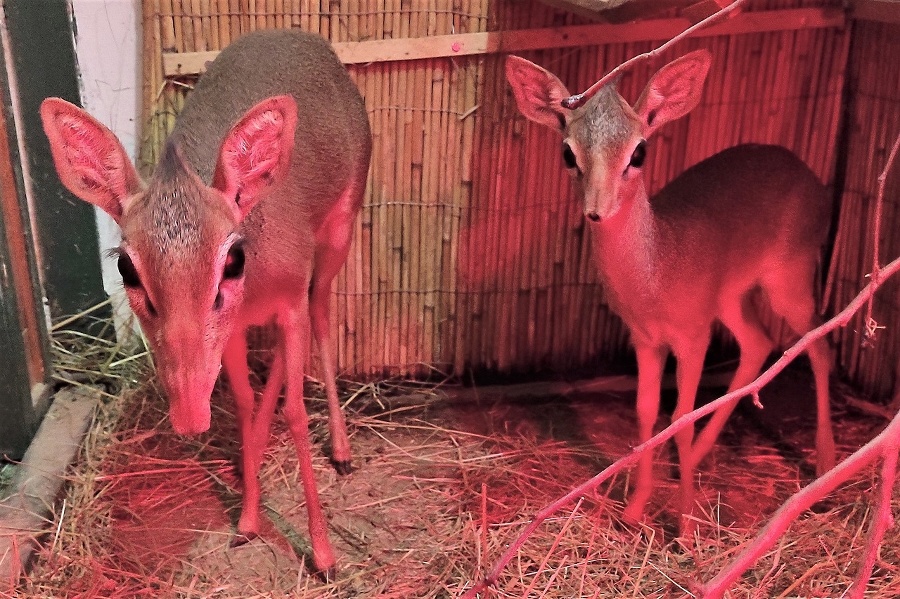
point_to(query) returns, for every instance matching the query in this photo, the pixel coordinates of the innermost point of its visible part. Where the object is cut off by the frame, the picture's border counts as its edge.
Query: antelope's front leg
(690, 367)
(235, 362)
(651, 360)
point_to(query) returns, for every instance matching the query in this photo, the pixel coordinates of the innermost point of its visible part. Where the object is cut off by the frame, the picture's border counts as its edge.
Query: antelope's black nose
(593, 216)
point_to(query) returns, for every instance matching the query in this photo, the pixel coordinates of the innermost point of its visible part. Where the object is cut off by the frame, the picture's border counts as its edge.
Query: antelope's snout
(189, 402)
(188, 374)
(600, 203)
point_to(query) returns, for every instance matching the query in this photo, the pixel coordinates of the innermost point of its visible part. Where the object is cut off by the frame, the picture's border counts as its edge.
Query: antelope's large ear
(89, 159)
(538, 92)
(256, 153)
(673, 91)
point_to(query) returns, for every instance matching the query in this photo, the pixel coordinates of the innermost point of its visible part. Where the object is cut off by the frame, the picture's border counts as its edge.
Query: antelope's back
(332, 141)
(747, 200)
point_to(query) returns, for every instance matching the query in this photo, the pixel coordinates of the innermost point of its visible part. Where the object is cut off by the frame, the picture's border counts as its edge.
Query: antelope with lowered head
(246, 220)
(752, 216)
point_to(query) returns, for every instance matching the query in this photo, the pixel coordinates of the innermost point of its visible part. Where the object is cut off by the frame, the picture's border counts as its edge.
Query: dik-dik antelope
(246, 220)
(752, 216)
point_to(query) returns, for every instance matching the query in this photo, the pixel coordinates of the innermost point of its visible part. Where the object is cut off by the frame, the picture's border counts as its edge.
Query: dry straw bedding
(438, 492)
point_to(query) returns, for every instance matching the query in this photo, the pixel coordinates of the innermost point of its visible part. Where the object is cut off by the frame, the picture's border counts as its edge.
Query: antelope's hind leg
(332, 246)
(295, 330)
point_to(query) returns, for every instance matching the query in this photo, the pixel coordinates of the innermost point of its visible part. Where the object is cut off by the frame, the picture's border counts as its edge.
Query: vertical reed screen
(470, 253)
(873, 125)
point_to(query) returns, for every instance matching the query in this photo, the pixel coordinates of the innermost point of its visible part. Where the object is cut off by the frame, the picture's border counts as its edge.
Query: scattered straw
(438, 491)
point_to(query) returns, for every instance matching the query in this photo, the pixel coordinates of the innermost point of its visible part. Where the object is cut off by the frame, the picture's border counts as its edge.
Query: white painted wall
(107, 44)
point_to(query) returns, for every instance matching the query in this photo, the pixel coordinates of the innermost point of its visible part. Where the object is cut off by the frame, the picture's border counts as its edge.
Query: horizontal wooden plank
(193, 63)
(26, 513)
(619, 11)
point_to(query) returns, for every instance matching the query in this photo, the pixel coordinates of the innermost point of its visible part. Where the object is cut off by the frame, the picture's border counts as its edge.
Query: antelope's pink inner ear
(539, 93)
(256, 153)
(89, 159)
(673, 91)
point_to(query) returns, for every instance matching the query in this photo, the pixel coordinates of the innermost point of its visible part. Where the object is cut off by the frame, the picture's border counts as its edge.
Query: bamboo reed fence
(470, 255)
(873, 114)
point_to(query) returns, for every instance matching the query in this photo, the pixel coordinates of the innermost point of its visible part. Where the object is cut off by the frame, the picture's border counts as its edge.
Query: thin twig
(802, 501)
(885, 445)
(871, 325)
(882, 519)
(839, 320)
(577, 100)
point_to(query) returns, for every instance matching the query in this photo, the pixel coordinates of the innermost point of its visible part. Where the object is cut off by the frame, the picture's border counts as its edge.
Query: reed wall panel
(470, 253)
(873, 126)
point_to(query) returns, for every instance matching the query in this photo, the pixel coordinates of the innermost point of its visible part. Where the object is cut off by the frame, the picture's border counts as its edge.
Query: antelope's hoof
(823, 466)
(242, 538)
(640, 523)
(642, 526)
(343, 467)
(688, 530)
(628, 524)
(633, 517)
(328, 575)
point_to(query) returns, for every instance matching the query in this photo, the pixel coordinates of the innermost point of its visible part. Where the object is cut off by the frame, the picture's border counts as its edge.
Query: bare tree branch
(802, 501)
(886, 446)
(881, 520)
(872, 326)
(577, 100)
(786, 514)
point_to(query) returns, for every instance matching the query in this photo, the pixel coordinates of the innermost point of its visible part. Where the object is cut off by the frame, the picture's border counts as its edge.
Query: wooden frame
(24, 361)
(882, 11)
(60, 257)
(177, 64)
(40, 41)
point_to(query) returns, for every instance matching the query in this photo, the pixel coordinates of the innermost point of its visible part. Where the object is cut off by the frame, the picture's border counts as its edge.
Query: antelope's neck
(626, 248)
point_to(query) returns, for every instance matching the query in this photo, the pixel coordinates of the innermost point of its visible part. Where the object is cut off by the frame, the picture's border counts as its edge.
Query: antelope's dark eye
(569, 156)
(639, 155)
(129, 273)
(234, 263)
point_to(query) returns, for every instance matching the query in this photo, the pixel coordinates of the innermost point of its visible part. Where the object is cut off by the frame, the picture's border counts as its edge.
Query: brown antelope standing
(750, 216)
(246, 219)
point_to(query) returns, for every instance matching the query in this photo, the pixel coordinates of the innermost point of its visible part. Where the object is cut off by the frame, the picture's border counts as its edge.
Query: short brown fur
(247, 219)
(749, 217)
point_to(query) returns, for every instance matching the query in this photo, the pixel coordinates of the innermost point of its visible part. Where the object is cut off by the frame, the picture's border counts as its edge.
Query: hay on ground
(438, 492)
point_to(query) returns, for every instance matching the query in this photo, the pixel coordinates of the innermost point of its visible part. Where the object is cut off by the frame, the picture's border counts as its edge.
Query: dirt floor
(438, 490)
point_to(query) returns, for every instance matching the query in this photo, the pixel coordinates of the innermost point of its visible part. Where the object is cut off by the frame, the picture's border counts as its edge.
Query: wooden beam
(27, 512)
(547, 389)
(619, 11)
(40, 39)
(640, 10)
(193, 63)
(882, 11)
(17, 241)
(698, 11)
(592, 9)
